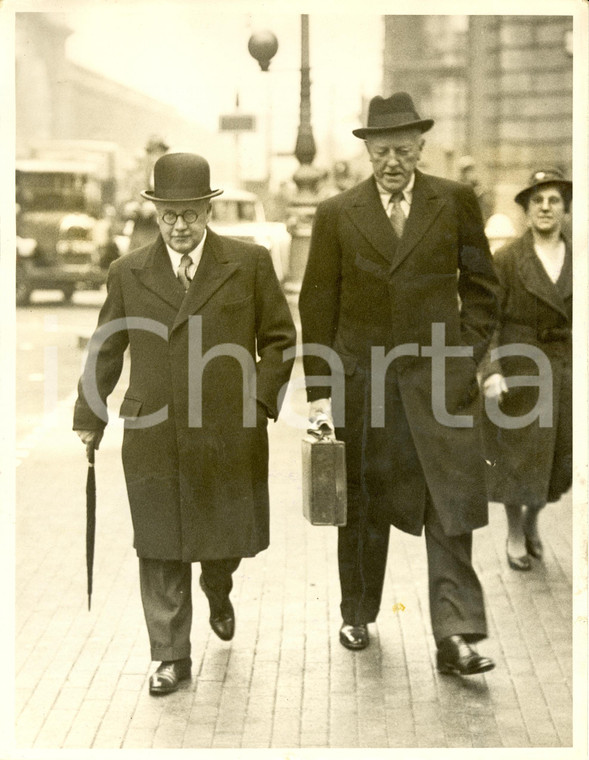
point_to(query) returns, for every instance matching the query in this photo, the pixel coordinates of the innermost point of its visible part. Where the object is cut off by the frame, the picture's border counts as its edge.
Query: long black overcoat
(532, 463)
(365, 289)
(197, 480)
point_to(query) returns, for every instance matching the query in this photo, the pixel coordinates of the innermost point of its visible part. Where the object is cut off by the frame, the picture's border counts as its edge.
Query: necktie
(185, 262)
(396, 214)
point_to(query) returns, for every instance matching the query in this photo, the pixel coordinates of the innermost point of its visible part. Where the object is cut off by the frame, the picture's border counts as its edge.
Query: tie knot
(186, 260)
(397, 197)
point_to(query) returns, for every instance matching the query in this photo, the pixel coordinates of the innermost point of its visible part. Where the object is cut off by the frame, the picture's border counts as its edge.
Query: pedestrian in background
(197, 482)
(390, 261)
(532, 465)
(469, 174)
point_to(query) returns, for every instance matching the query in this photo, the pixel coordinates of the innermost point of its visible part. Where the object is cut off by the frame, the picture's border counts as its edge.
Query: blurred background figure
(532, 464)
(499, 230)
(144, 227)
(469, 176)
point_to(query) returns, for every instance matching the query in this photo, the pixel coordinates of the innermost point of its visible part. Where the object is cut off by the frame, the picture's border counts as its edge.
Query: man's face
(180, 235)
(546, 209)
(394, 156)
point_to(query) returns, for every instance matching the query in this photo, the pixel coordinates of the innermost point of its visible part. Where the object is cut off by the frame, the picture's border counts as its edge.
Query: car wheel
(68, 291)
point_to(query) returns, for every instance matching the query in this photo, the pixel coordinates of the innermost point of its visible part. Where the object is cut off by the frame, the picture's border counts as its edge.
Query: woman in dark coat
(528, 428)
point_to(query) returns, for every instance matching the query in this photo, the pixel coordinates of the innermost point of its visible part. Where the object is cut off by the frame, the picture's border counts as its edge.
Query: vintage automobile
(240, 214)
(63, 233)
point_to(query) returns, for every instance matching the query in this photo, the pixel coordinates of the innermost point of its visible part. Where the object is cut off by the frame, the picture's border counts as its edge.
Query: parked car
(64, 239)
(240, 214)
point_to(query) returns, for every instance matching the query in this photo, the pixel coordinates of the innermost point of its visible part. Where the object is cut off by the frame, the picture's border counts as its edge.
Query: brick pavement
(284, 681)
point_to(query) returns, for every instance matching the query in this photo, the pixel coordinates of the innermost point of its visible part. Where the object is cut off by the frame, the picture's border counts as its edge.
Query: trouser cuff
(470, 630)
(167, 654)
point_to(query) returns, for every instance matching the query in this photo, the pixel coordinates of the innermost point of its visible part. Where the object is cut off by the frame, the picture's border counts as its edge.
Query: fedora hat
(181, 177)
(545, 177)
(396, 112)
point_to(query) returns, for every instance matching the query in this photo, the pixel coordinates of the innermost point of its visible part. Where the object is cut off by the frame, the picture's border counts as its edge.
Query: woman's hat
(545, 177)
(181, 177)
(396, 112)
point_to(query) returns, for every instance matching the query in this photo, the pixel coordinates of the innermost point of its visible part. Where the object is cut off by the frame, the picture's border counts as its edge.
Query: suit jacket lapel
(157, 275)
(425, 207)
(534, 277)
(368, 215)
(213, 270)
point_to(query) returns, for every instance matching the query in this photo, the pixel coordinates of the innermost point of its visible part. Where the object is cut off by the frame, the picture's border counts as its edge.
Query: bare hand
(320, 418)
(91, 438)
(495, 386)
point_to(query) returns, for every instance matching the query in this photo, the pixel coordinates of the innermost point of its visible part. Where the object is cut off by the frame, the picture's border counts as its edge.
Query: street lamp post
(263, 46)
(306, 177)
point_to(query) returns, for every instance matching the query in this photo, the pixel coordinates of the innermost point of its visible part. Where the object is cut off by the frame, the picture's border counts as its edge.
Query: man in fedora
(399, 268)
(206, 324)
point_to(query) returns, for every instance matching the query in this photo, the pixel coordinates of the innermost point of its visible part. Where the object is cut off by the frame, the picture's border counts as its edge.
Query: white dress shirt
(195, 255)
(385, 197)
(552, 264)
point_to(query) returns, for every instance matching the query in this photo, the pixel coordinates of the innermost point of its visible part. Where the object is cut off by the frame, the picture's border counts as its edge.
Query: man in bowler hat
(206, 324)
(399, 267)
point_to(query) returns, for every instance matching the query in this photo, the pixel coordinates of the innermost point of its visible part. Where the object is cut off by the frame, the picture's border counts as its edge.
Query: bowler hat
(545, 177)
(396, 112)
(181, 177)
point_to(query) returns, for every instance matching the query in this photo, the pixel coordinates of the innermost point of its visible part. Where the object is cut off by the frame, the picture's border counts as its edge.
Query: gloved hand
(91, 438)
(495, 386)
(321, 419)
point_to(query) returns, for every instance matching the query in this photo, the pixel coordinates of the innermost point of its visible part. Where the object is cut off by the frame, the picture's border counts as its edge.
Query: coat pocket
(236, 305)
(130, 408)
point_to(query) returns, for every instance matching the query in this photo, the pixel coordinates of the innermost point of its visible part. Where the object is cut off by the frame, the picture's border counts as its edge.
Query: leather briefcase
(324, 480)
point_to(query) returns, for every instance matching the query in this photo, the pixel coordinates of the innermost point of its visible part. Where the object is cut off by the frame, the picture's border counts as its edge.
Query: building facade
(58, 100)
(500, 89)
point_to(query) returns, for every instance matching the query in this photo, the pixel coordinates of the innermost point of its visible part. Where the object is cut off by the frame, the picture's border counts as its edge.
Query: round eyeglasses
(189, 216)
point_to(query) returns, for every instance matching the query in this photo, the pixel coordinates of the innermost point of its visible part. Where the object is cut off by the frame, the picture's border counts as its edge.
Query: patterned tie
(396, 214)
(185, 263)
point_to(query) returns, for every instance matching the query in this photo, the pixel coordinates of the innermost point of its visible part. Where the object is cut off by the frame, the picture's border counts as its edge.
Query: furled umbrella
(90, 518)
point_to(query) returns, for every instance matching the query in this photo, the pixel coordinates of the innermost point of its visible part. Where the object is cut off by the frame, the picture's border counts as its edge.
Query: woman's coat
(532, 464)
(197, 476)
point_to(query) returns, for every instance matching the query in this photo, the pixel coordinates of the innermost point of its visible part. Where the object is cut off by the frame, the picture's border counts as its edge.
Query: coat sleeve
(104, 361)
(275, 334)
(478, 286)
(320, 296)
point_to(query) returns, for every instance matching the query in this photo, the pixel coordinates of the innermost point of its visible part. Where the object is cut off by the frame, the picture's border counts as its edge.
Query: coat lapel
(214, 269)
(426, 204)
(534, 277)
(368, 215)
(157, 275)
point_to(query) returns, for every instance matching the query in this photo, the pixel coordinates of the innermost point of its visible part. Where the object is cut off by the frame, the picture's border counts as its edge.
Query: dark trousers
(166, 593)
(455, 593)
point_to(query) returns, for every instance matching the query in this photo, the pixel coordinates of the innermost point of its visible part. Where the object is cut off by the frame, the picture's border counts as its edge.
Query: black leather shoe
(167, 677)
(519, 563)
(222, 618)
(456, 657)
(354, 636)
(534, 547)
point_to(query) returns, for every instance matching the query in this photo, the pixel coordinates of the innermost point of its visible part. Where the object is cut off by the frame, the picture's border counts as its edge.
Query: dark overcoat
(364, 289)
(197, 476)
(532, 463)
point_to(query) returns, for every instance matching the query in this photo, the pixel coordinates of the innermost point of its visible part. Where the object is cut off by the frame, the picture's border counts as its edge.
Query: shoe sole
(450, 670)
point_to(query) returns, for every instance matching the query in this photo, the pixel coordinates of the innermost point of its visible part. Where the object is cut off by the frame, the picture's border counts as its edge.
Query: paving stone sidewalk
(284, 681)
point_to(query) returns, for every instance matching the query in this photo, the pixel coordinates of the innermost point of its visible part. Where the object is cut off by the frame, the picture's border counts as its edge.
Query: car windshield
(53, 191)
(231, 211)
